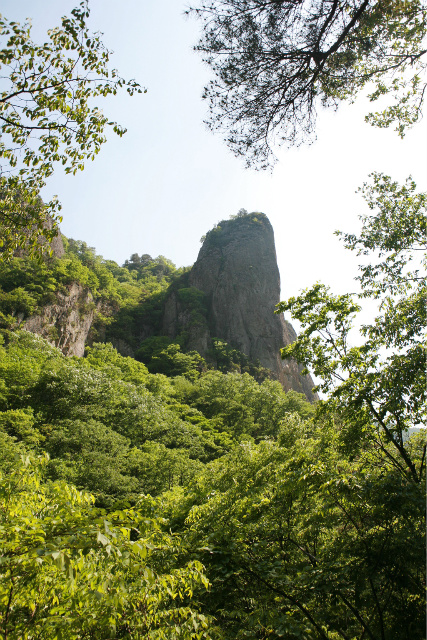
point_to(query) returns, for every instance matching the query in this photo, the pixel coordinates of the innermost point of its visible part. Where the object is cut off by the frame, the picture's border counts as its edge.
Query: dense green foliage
(70, 569)
(69, 572)
(380, 384)
(300, 531)
(113, 428)
(226, 358)
(301, 540)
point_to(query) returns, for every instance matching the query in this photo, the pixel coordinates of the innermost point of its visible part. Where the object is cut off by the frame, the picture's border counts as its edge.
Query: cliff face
(66, 323)
(177, 316)
(56, 245)
(237, 271)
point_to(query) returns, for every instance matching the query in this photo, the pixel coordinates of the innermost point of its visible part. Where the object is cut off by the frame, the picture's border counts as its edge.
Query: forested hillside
(182, 500)
(170, 496)
(220, 507)
(109, 425)
(79, 298)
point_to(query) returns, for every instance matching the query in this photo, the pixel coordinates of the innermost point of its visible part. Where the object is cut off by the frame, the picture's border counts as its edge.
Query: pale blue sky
(168, 180)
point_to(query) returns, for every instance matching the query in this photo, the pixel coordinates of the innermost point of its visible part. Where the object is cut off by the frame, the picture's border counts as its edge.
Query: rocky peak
(237, 271)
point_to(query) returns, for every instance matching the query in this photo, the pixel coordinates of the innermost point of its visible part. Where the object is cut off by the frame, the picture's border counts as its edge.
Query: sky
(164, 184)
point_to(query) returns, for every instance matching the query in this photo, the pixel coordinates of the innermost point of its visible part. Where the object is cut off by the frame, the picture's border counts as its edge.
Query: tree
(275, 61)
(172, 362)
(379, 387)
(47, 117)
(300, 540)
(70, 572)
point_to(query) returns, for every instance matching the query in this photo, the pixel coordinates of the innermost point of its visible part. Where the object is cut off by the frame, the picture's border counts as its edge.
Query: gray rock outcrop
(67, 322)
(237, 271)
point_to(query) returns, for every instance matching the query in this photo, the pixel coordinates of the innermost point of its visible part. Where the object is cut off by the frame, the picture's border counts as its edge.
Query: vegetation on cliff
(128, 302)
(243, 220)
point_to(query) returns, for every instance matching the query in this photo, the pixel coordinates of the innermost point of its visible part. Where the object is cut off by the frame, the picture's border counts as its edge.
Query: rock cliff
(56, 245)
(67, 322)
(229, 294)
(237, 271)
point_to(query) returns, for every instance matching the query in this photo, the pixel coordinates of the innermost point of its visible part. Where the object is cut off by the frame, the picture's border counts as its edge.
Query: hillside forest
(170, 496)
